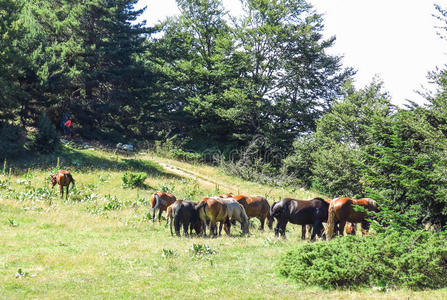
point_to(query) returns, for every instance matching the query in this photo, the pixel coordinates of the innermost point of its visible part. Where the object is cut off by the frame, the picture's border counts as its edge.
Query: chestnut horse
(160, 201)
(212, 210)
(255, 207)
(302, 212)
(341, 210)
(62, 178)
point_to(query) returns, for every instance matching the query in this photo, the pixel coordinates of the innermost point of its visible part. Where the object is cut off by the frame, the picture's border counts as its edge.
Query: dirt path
(184, 173)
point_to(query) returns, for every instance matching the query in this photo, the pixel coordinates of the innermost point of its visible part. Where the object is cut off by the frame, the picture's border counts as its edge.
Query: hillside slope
(100, 243)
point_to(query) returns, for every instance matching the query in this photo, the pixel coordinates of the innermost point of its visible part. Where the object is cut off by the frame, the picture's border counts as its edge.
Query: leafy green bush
(392, 259)
(131, 180)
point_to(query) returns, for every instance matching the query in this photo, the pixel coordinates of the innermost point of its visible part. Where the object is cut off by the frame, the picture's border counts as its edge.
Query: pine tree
(47, 138)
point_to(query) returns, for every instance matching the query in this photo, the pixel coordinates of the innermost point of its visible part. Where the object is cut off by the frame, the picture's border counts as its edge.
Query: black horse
(186, 214)
(302, 212)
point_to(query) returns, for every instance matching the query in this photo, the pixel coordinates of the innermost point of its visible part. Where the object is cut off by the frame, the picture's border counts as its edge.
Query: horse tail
(201, 205)
(169, 217)
(72, 181)
(176, 222)
(155, 206)
(331, 221)
(169, 213)
(157, 201)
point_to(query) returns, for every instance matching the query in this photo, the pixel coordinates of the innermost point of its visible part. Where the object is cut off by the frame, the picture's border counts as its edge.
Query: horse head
(53, 180)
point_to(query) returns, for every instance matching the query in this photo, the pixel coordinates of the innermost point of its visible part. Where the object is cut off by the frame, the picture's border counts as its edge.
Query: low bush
(131, 180)
(392, 259)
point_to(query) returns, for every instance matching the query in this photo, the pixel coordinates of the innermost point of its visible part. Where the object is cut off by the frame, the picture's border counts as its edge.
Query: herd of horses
(227, 209)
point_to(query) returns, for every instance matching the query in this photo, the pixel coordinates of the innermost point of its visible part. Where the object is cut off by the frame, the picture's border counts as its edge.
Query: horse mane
(327, 201)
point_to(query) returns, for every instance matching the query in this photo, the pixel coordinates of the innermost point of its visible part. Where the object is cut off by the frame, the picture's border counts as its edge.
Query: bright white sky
(393, 39)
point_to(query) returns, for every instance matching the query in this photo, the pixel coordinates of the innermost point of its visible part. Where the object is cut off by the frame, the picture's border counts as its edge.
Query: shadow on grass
(87, 160)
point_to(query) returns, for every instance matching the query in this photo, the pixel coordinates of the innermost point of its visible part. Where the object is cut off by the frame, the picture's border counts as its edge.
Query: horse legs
(262, 220)
(281, 228)
(213, 228)
(351, 228)
(303, 232)
(159, 215)
(365, 227)
(154, 211)
(185, 229)
(341, 227)
(277, 229)
(177, 225)
(204, 228)
(220, 228)
(317, 230)
(66, 195)
(61, 189)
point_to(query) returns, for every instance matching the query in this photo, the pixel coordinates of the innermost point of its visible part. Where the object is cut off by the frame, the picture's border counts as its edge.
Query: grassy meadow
(101, 244)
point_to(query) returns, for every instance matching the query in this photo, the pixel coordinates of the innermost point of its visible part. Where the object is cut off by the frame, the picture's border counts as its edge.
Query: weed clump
(200, 250)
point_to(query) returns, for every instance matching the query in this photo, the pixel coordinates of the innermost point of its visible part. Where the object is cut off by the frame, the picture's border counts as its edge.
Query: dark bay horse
(62, 178)
(341, 210)
(183, 213)
(301, 212)
(160, 201)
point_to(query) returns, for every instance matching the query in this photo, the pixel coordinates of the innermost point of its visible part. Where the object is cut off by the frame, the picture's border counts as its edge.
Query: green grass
(76, 248)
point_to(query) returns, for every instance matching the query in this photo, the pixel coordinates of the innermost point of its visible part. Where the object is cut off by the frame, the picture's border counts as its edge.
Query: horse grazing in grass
(341, 210)
(212, 210)
(235, 212)
(301, 212)
(184, 213)
(62, 178)
(160, 201)
(255, 207)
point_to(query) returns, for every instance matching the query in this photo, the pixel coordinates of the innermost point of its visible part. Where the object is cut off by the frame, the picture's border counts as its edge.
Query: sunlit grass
(77, 248)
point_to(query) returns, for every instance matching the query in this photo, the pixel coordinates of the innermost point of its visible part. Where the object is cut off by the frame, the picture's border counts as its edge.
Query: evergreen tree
(11, 31)
(46, 139)
(88, 64)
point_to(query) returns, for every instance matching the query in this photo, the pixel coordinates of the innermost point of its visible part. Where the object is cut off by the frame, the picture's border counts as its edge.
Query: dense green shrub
(133, 179)
(392, 259)
(46, 138)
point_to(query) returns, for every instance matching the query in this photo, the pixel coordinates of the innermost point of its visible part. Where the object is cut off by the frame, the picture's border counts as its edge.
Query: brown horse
(212, 210)
(255, 207)
(341, 210)
(62, 178)
(160, 201)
